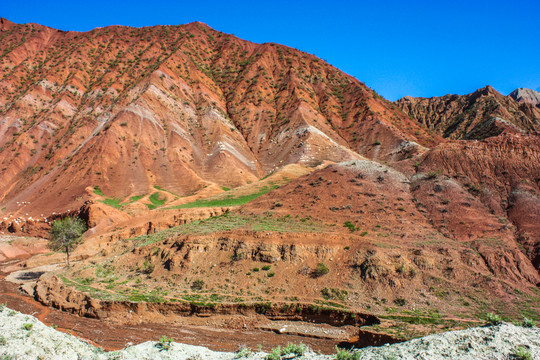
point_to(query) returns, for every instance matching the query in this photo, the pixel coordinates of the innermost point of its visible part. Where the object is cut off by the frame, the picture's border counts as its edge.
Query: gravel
(24, 337)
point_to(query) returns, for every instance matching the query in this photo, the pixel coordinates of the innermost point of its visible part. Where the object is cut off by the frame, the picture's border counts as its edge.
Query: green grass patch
(93, 292)
(156, 200)
(228, 222)
(114, 202)
(98, 191)
(230, 200)
(135, 198)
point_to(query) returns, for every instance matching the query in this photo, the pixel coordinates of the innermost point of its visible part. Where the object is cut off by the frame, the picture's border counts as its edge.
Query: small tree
(66, 235)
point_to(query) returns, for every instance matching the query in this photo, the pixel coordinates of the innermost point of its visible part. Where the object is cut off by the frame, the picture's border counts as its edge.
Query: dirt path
(114, 337)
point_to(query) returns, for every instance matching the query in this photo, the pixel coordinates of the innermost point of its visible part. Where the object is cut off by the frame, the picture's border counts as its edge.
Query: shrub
(334, 294)
(400, 301)
(350, 226)
(197, 285)
(321, 270)
(164, 343)
(28, 326)
(522, 354)
(528, 323)
(493, 319)
(343, 354)
(266, 267)
(431, 175)
(275, 354)
(147, 267)
(242, 353)
(290, 349)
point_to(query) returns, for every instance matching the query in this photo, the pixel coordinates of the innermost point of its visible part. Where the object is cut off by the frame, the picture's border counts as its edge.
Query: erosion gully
(117, 336)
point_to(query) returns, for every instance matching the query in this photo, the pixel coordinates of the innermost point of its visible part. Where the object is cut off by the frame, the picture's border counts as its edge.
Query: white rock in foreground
(24, 337)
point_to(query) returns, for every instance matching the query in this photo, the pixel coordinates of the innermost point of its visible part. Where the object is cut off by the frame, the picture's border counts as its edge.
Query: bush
(242, 353)
(197, 285)
(275, 354)
(290, 349)
(350, 226)
(147, 267)
(343, 354)
(321, 270)
(28, 326)
(400, 301)
(522, 354)
(266, 267)
(493, 319)
(164, 343)
(528, 323)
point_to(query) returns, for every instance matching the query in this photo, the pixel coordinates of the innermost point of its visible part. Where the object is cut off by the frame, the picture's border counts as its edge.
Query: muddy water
(115, 337)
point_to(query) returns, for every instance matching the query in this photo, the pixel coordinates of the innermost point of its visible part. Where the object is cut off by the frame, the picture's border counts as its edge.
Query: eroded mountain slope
(479, 115)
(182, 107)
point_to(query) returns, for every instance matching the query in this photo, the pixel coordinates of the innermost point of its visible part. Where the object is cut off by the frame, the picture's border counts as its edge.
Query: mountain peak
(526, 95)
(487, 90)
(5, 23)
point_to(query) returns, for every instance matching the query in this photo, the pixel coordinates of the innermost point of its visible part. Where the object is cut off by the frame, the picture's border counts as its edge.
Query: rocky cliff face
(526, 96)
(479, 115)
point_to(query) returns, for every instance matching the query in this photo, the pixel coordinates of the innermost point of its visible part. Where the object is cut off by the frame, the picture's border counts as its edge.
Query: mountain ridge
(254, 94)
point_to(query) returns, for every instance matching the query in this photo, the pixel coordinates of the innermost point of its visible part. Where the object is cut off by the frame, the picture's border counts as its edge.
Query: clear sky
(398, 48)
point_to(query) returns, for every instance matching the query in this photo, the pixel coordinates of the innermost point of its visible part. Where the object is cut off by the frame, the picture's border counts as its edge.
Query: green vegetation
(350, 226)
(290, 349)
(66, 234)
(522, 354)
(418, 317)
(242, 353)
(528, 323)
(92, 291)
(146, 268)
(28, 326)
(334, 294)
(114, 202)
(197, 285)
(226, 201)
(343, 354)
(135, 198)
(321, 270)
(400, 301)
(156, 200)
(228, 221)
(153, 296)
(165, 343)
(493, 319)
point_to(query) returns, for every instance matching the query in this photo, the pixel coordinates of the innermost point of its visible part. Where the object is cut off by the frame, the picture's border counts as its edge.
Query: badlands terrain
(255, 188)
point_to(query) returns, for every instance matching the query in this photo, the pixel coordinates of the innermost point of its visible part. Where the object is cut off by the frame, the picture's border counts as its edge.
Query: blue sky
(398, 48)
